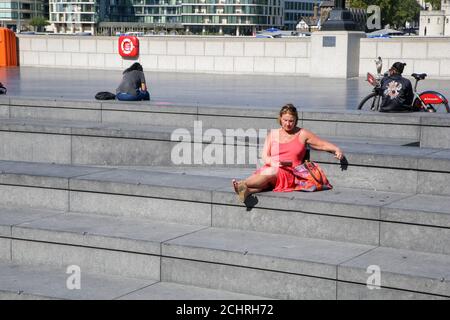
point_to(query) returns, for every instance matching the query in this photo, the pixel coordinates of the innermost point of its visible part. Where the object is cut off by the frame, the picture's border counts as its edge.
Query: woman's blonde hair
(290, 109)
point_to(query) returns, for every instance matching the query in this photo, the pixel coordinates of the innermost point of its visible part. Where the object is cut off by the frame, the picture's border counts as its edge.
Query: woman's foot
(235, 186)
(243, 191)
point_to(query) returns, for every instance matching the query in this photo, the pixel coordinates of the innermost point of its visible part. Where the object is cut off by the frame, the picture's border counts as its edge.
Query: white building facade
(435, 23)
(73, 16)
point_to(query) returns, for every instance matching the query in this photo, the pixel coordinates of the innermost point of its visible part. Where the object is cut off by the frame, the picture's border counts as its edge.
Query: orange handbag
(310, 177)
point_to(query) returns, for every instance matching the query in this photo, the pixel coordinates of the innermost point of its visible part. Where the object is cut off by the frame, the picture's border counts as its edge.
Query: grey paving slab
(296, 223)
(4, 100)
(4, 111)
(434, 137)
(147, 207)
(55, 102)
(415, 237)
(10, 217)
(435, 183)
(435, 120)
(262, 250)
(351, 291)
(179, 120)
(89, 259)
(419, 209)
(113, 233)
(154, 184)
(380, 130)
(41, 174)
(371, 140)
(402, 269)
(371, 178)
(153, 107)
(118, 151)
(344, 202)
(361, 117)
(5, 249)
(30, 126)
(436, 161)
(35, 147)
(378, 155)
(47, 282)
(174, 291)
(258, 282)
(32, 197)
(65, 114)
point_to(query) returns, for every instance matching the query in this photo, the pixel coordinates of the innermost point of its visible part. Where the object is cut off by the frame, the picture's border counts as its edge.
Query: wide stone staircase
(93, 187)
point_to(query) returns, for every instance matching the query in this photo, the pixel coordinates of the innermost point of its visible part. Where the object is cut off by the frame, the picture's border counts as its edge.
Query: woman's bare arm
(320, 144)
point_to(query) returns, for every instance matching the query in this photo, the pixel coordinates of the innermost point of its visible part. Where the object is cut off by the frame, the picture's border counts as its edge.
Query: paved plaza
(257, 91)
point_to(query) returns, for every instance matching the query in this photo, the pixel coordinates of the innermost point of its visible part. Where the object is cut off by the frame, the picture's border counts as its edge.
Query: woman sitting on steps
(284, 149)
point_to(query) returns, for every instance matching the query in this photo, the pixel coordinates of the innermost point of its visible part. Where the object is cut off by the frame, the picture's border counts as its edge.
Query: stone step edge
(81, 183)
(19, 293)
(198, 109)
(338, 267)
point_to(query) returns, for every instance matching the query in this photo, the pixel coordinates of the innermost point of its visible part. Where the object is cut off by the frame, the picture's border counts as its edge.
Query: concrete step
(401, 220)
(246, 262)
(423, 127)
(19, 282)
(293, 268)
(370, 166)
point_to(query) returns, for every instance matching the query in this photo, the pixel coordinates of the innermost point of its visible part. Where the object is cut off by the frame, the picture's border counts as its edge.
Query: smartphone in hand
(286, 163)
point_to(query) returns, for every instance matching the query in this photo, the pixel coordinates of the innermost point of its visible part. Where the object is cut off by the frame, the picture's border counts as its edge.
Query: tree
(436, 4)
(38, 22)
(393, 12)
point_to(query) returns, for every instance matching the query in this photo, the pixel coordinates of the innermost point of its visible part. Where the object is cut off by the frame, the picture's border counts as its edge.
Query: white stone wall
(421, 54)
(176, 54)
(231, 55)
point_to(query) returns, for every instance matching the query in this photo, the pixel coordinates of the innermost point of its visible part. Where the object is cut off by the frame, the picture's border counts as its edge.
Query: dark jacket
(397, 94)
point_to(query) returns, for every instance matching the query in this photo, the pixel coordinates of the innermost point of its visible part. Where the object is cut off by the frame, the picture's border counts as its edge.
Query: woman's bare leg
(255, 183)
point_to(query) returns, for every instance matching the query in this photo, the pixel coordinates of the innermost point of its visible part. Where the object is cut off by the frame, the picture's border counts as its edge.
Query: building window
(429, 20)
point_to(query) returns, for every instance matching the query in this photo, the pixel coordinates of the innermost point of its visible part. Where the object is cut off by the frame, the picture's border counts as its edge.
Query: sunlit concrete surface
(204, 89)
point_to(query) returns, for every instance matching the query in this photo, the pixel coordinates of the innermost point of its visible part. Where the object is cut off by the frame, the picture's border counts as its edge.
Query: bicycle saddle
(418, 76)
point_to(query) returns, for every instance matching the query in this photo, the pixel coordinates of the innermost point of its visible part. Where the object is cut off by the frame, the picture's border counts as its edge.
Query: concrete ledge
(282, 253)
(137, 248)
(92, 260)
(101, 232)
(421, 126)
(341, 214)
(401, 269)
(19, 282)
(174, 291)
(247, 281)
(351, 291)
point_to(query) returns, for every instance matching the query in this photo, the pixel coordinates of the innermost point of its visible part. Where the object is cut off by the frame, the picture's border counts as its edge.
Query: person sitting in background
(397, 91)
(284, 149)
(133, 86)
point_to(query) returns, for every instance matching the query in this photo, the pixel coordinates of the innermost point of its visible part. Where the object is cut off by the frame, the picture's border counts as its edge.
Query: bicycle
(427, 101)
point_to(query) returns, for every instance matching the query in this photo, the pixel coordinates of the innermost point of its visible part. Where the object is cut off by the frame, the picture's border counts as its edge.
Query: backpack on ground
(105, 95)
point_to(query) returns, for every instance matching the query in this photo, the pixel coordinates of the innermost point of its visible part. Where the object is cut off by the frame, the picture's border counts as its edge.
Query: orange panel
(8, 48)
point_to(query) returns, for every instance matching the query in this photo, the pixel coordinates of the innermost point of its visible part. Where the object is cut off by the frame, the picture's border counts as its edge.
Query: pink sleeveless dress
(293, 151)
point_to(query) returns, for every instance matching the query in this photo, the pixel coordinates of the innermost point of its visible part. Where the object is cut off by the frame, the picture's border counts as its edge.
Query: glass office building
(189, 16)
(16, 15)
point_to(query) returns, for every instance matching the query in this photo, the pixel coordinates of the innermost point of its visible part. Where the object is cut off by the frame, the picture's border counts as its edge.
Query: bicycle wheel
(371, 102)
(440, 107)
